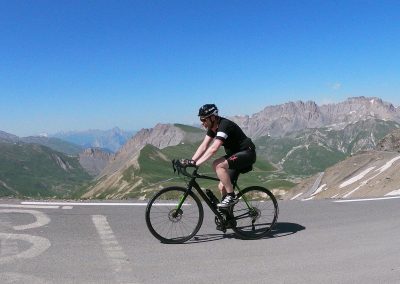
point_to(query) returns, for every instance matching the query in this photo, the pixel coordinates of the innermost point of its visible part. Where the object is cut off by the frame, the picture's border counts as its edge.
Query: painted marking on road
(67, 207)
(116, 256)
(98, 204)
(41, 218)
(366, 199)
(29, 206)
(39, 245)
(83, 203)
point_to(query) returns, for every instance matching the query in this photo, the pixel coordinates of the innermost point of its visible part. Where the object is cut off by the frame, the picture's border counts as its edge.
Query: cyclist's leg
(241, 160)
(233, 174)
(221, 168)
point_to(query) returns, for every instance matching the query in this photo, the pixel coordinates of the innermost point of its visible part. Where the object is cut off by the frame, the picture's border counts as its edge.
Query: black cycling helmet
(208, 110)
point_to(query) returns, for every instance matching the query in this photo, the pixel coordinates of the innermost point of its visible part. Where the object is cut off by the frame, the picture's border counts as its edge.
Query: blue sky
(76, 65)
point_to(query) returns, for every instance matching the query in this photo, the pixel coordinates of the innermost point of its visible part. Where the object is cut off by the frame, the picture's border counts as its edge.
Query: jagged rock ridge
(293, 116)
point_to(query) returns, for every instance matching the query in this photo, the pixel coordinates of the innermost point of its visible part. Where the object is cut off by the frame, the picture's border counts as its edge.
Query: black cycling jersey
(232, 135)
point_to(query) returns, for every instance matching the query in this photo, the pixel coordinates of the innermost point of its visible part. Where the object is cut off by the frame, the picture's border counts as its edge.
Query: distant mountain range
(281, 119)
(109, 140)
(299, 139)
(294, 141)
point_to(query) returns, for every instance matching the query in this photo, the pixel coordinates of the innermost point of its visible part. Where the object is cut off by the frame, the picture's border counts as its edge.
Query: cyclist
(239, 149)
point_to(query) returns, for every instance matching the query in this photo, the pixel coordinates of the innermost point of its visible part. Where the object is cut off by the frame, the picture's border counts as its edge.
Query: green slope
(156, 170)
(310, 151)
(31, 170)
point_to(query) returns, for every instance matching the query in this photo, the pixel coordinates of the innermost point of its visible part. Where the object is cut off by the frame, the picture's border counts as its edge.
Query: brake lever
(173, 165)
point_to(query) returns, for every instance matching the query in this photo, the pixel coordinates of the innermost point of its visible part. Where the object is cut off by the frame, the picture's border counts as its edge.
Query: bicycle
(175, 214)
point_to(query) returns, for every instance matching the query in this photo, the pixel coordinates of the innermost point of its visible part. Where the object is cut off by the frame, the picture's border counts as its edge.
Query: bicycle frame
(251, 219)
(194, 184)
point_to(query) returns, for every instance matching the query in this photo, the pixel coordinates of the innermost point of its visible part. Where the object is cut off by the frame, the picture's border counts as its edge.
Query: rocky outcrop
(94, 160)
(390, 142)
(281, 119)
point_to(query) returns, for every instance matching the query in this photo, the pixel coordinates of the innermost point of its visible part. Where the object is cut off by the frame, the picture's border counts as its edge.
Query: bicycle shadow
(281, 229)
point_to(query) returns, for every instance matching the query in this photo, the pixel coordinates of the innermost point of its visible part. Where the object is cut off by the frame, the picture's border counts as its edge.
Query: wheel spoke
(170, 225)
(255, 217)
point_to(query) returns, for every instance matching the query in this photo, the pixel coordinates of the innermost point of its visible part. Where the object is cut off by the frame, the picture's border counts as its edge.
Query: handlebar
(177, 165)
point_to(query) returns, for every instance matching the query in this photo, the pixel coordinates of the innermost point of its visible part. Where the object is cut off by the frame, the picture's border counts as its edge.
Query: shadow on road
(281, 229)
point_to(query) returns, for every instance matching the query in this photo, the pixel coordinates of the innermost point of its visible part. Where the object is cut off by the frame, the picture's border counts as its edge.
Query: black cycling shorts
(240, 161)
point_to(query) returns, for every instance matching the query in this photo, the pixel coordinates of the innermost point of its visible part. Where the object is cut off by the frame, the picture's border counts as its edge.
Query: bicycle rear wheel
(255, 213)
(169, 224)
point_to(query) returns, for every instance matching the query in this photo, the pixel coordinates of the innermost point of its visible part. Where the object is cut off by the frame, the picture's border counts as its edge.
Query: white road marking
(41, 218)
(29, 206)
(39, 245)
(116, 256)
(83, 203)
(67, 207)
(98, 204)
(366, 199)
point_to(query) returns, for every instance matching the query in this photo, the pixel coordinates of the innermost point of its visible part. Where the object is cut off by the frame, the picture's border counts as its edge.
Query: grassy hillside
(31, 170)
(55, 144)
(156, 171)
(313, 150)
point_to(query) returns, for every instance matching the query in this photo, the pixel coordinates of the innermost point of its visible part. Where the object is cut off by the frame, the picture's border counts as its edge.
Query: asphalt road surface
(313, 242)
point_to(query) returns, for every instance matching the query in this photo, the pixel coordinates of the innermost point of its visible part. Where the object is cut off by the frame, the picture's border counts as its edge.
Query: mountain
(111, 182)
(111, 140)
(279, 120)
(55, 144)
(297, 143)
(300, 139)
(390, 142)
(366, 174)
(372, 173)
(309, 151)
(8, 138)
(94, 160)
(33, 170)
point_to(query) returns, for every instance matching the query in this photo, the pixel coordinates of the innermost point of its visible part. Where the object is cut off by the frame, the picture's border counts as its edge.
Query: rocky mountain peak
(278, 120)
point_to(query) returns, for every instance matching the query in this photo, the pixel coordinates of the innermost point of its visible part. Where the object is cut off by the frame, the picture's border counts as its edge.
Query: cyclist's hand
(188, 163)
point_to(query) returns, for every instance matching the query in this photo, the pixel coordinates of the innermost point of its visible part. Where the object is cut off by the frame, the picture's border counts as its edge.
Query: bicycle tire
(168, 227)
(257, 221)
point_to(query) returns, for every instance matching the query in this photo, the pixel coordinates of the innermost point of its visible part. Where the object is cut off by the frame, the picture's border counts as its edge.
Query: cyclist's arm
(210, 152)
(202, 148)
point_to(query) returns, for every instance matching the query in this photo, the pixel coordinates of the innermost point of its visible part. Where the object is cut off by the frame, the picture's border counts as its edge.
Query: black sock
(232, 194)
(223, 197)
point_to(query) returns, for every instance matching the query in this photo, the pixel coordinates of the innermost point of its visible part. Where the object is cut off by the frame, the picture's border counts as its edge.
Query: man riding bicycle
(239, 149)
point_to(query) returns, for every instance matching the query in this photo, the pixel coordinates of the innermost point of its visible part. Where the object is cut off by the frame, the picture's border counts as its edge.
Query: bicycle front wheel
(168, 223)
(255, 213)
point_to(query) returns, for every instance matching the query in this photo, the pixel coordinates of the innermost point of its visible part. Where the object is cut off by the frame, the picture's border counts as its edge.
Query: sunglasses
(203, 119)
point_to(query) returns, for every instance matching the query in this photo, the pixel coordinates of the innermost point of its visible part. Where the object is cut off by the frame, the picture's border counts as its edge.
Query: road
(313, 242)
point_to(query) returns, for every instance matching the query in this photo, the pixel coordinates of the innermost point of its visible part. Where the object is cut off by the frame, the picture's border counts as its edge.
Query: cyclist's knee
(220, 163)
